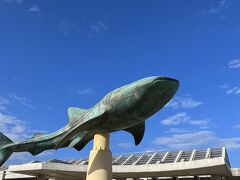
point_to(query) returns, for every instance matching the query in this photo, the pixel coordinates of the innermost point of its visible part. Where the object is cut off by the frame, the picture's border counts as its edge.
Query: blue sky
(56, 54)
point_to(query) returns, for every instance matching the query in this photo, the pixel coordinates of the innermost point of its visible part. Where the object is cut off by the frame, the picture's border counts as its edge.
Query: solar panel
(170, 158)
(185, 156)
(215, 152)
(159, 157)
(144, 159)
(200, 154)
(132, 159)
(156, 159)
(122, 159)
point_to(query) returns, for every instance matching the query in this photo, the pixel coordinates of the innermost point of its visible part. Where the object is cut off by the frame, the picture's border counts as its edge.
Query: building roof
(158, 157)
(211, 161)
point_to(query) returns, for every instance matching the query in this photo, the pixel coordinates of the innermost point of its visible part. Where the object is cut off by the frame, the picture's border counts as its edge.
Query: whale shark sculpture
(125, 108)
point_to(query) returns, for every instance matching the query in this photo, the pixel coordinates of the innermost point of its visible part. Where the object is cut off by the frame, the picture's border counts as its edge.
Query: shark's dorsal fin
(91, 118)
(137, 132)
(36, 134)
(75, 113)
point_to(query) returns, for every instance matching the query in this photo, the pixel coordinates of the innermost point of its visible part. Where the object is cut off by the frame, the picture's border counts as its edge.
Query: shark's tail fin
(5, 151)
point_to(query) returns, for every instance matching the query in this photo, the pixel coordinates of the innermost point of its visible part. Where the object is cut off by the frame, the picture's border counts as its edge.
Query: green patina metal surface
(125, 108)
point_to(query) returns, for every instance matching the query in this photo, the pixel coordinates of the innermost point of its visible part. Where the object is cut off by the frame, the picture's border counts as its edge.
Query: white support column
(224, 152)
(164, 157)
(3, 175)
(127, 159)
(138, 159)
(151, 158)
(192, 155)
(208, 153)
(100, 159)
(117, 159)
(178, 156)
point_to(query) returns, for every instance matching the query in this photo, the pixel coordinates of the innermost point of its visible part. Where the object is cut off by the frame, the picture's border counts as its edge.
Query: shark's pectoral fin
(137, 132)
(78, 138)
(36, 151)
(81, 144)
(75, 113)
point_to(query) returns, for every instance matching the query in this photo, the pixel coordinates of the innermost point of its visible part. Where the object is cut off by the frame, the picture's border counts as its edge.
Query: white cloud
(15, 128)
(66, 28)
(185, 140)
(4, 100)
(97, 29)
(202, 122)
(197, 139)
(18, 128)
(219, 7)
(234, 90)
(236, 126)
(231, 90)
(22, 100)
(25, 157)
(183, 118)
(183, 102)
(224, 86)
(3, 103)
(234, 64)
(12, 127)
(84, 28)
(125, 145)
(12, 100)
(177, 130)
(176, 119)
(35, 9)
(230, 143)
(87, 91)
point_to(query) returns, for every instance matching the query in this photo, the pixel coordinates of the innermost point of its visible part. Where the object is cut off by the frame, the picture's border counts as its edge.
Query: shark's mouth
(162, 78)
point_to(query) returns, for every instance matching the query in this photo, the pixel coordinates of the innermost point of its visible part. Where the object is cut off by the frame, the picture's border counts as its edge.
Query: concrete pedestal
(100, 159)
